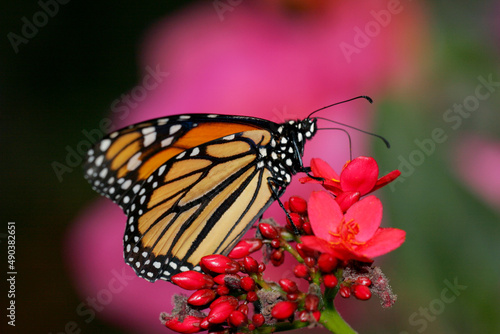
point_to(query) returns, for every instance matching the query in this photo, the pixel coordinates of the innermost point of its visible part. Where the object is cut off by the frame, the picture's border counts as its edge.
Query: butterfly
(192, 185)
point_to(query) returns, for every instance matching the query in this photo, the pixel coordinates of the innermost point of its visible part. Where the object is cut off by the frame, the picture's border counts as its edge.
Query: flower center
(346, 234)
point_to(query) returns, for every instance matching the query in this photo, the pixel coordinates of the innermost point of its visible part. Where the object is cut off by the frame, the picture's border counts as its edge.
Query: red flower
(190, 324)
(355, 235)
(359, 177)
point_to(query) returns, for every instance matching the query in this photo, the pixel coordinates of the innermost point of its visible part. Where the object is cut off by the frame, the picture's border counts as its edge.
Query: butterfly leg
(273, 184)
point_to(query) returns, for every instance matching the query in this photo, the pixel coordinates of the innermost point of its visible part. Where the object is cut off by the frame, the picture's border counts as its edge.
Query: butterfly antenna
(386, 142)
(348, 138)
(369, 99)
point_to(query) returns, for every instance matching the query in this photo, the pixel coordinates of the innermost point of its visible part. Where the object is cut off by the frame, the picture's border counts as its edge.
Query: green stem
(332, 321)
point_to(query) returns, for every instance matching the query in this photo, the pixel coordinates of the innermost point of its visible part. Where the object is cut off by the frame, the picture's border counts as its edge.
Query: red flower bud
(304, 251)
(327, 262)
(275, 243)
(361, 292)
(192, 280)
(204, 323)
(296, 219)
(311, 303)
(220, 312)
(223, 290)
(309, 261)
(252, 296)
(300, 271)
(220, 264)
(243, 308)
(292, 296)
(268, 231)
(297, 204)
(250, 265)
(202, 297)
(190, 324)
(236, 318)
(232, 280)
(330, 280)
(258, 319)
(244, 248)
(283, 310)
(362, 280)
(317, 315)
(247, 283)
(307, 228)
(262, 267)
(222, 299)
(288, 285)
(345, 291)
(277, 257)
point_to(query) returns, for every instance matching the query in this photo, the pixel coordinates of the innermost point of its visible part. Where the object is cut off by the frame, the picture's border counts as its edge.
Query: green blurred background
(65, 78)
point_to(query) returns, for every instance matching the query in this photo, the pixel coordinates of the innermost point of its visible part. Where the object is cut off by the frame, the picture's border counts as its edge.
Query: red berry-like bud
(362, 280)
(330, 280)
(258, 319)
(190, 324)
(222, 299)
(317, 315)
(311, 303)
(327, 262)
(300, 271)
(303, 316)
(250, 265)
(252, 296)
(268, 231)
(247, 283)
(223, 290)
(296, 219)
(292, 296)
(220, 312)
(297, 204)
(306, 226)
(204, 323)
(202, 297)
(243, 308)
(277, 257)
(288, 285)
(192, 280)
(361, 292)
(309, 261)
(231, 280)
(304, 251)
(275, 243)
(262, 267)
(245, 247)
(283, 310)
(220, 264)
(344, 291)
(236, 318)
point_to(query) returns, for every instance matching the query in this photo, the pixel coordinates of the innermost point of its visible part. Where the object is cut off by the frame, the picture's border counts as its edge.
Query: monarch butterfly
(192, 185)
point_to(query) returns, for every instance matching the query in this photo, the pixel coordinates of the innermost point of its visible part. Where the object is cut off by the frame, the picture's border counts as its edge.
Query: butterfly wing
(191, 185)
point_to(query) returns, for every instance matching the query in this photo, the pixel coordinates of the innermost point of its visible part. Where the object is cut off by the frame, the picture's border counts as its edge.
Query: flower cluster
(339, 235)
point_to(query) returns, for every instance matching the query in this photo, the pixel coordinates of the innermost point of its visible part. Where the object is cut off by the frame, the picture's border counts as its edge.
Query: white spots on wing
(114, 134)
(143, 190)
(181, 155)
(280, 129)
(308, 134)
(162, 121)
(184, 117)
(103, 173)
(90, 171)
(90, 152)
(195, 151)
(288, 178)
(274, 155)
(111, 180)
(134, 162)
(174, 128)
(149, 139)
(230, 137)
(284, 140)
(173, 265)
(184, 268)
(157, 264)
(150, 178)
(105, 144)
(155, 184)
(126, 199)
(120, 180)
(136, 188)
(161, 170)
(263, 151)
(150, 274)
(299, 137)
(167, 141)
(144, 254)
(147, 130)
(111, 190)
(136, 249)
(143, 199)
(290, 149)
(260, 164)
(99, 160)
(212, 116)
(128, 248)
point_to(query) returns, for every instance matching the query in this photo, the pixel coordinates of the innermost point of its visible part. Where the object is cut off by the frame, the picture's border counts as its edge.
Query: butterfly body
(192, 185)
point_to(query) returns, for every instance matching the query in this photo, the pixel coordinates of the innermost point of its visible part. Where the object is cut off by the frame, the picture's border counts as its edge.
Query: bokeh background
(432, 68)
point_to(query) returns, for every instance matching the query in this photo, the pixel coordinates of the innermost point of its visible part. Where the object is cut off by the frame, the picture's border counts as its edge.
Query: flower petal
(384, 241)
(367, 213)
(324, 214)
(322, 169)
(359, 175)
(386, 179)
(316, 243)
(347, 199)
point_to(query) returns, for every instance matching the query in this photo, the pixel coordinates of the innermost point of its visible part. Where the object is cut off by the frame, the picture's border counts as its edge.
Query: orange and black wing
(191, 185)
